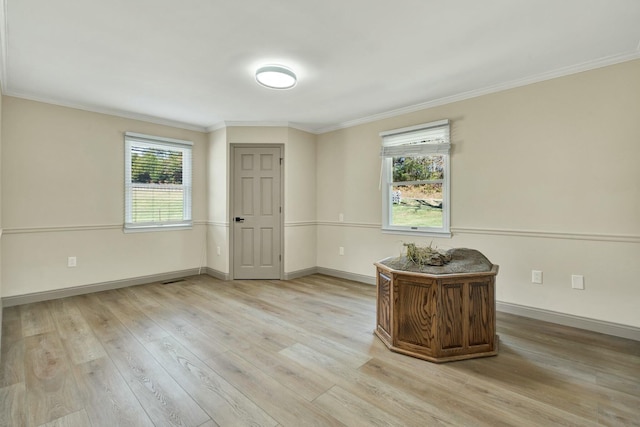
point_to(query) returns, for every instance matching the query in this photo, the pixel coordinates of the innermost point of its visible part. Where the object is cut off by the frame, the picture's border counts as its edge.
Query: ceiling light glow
(276, 77)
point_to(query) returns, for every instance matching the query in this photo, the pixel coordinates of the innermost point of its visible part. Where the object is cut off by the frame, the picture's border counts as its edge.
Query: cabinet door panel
(415, 313)
(451, 319)
(384, 303)
(481, 313)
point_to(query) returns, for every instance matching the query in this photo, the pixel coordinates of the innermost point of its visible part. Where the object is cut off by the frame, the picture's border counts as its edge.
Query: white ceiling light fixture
(276, 77)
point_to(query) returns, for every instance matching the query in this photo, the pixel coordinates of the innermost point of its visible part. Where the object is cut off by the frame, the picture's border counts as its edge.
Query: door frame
(232, 195)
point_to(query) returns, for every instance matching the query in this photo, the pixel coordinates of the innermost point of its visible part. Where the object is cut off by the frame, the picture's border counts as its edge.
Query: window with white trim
(157, 183)
(415, 179)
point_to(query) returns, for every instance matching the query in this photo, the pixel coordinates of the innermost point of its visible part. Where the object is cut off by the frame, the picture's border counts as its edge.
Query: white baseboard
(217, 274)
(96, 287)
(369, 280)
(300, 273)
(593, 325)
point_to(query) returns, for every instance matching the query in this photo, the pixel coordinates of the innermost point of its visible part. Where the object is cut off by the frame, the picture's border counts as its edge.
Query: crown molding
(214, 127)
(560, 72)
(304, 128)
(249, 123)
(228, 124)
(109, 111)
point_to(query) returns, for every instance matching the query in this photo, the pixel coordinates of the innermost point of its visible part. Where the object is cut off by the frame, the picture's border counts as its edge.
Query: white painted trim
(228, 124)
(621, 238)
(349, 224)
(214, 127)
(417, 233)
(217, 274)
(109, 111)
(59, 229)
(561, 72)
(594, 325)
(369, 280)
(231, 124)
(217, 223)
(624, 238)
(300, 224)
(300, 273)
(187, 225)
(96, 287)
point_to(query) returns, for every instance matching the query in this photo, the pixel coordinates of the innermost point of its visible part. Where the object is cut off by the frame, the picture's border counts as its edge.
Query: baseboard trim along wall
(594, 325)
(300, 273)
(369, 280)
(96, 287)
(217, 274)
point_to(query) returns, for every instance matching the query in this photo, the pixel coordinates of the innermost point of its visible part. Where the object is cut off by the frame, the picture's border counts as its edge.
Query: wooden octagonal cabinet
(437, 317)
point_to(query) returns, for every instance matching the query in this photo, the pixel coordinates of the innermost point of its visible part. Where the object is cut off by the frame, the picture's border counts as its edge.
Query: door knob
(238, 219)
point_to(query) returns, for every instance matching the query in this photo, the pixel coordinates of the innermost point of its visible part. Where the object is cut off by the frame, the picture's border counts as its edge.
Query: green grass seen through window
(412, 216)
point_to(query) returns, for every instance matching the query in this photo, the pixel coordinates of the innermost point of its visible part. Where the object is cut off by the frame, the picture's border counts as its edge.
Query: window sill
(419, 232)
(151, 228)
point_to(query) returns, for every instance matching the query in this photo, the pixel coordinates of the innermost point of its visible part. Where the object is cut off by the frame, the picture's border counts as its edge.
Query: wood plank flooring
(203, 352)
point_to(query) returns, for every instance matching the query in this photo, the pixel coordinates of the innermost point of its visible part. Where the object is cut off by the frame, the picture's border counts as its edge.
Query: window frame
(131, 140)
(412, 148)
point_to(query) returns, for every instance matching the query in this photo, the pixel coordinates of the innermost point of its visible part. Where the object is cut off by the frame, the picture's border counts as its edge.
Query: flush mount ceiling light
(276, 77)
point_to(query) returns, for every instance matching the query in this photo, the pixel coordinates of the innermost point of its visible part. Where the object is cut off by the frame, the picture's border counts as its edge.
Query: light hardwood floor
(203, 352)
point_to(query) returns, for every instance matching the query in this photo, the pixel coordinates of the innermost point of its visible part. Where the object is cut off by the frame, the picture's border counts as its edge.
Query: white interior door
(257, 214)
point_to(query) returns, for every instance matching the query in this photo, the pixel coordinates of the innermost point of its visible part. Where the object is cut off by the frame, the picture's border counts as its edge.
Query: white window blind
(157, 182)
(421, 140)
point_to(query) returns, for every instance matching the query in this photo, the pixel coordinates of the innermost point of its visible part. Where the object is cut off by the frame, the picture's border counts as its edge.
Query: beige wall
(299, 190)
(543, 177)
(63, 195)
(1, 96)
(300, 202)
(218, 202)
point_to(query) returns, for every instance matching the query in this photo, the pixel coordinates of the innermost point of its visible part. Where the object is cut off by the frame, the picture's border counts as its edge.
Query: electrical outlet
(218, 250)
(577, 281)
(536, 276)
(341, 217)
(72, 261)
(341, 250)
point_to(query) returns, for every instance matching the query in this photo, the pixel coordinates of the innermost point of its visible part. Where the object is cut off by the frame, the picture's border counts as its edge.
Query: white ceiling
(191, 62)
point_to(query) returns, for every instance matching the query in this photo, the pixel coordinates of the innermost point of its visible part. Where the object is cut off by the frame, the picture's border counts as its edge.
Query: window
(415, 179)
(157, 183)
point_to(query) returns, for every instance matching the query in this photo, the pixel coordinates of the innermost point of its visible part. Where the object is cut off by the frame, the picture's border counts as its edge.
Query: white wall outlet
(72, 261)
(341, 250)
(536, 276)
(218, 250)
(341, 217)
(577, 281)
